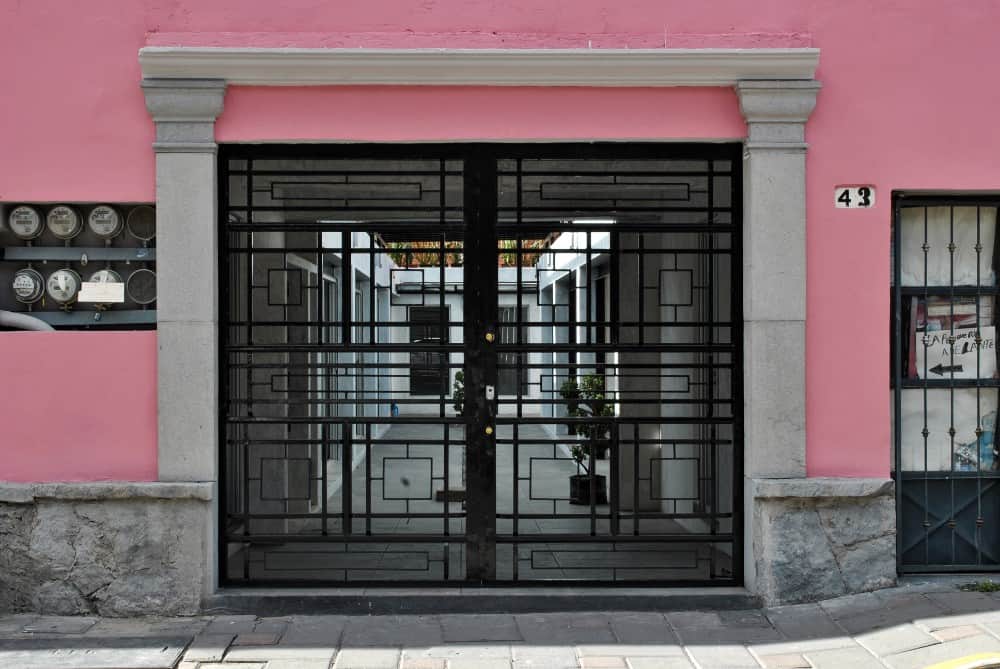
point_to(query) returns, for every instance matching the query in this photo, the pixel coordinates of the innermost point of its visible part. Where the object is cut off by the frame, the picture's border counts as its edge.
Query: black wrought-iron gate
(485, 363)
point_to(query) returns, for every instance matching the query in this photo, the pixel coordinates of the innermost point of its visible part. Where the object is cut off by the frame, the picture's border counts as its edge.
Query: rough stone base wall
(109, 549)
(820, 538)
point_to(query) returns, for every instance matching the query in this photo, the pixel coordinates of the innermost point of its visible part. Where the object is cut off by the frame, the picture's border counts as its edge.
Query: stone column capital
(184, 111)
(776, 112)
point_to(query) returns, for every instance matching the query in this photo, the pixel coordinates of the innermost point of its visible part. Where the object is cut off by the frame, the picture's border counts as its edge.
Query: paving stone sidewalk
(902, 628)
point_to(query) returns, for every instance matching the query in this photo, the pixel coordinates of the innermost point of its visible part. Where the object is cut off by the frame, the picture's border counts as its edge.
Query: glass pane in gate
(618, 361)
(342, 325)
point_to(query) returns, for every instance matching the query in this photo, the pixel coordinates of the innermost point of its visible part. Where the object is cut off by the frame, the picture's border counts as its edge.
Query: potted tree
(586, 399)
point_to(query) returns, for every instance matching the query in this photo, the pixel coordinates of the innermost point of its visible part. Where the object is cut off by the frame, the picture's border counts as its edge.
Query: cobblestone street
(916, 625)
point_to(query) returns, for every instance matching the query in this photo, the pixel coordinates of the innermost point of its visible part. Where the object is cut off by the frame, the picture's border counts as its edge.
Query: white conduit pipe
(12, 319)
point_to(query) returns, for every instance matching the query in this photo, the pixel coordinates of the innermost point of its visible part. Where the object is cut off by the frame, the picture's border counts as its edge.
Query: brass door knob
(490, 337)
(489, 430)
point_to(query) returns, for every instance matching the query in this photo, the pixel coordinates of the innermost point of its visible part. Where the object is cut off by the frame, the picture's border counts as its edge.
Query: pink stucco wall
(904, 106)
(78, 406)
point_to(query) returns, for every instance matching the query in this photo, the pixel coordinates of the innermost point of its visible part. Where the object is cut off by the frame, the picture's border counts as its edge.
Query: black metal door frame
(480, 163)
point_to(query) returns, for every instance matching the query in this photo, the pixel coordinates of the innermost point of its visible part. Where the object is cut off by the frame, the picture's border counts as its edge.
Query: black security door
(946, 382)
(480, 363)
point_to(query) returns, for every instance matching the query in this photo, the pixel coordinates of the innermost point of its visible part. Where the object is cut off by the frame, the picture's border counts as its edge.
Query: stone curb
(26, 493)
(818, 488)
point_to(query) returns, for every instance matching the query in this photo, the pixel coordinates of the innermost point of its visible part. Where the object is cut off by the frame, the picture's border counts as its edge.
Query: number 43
(855, 197)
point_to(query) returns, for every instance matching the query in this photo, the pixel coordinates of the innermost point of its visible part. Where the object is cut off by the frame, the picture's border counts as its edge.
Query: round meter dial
(29, 286)
(141, 223)
(64, 222)
(105, 276)
(25, 222)
(141, 286)
(105, 221)
(63, 286)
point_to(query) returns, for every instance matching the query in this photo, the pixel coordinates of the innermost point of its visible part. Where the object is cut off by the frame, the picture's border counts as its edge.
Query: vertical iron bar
(368, 478)
(897, 371)
(641, 245)
(517, 331)
(926, 432)
(346, 486)
(979, 418)
(588, 283)
(324, 457)
(249, 374)
(614, 490)
(713, 432)
(443, 315)
(635, 477)
(516, 522)
(951, 374)
(736, 379)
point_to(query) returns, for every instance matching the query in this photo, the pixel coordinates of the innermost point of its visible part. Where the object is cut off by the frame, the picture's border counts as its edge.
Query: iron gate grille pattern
(944, 293)
(606, 275)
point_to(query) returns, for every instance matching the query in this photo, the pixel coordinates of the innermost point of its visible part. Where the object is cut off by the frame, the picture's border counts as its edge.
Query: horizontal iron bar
(951, 201)
(950, 383)
(621, 515)
(394, 539)
(458, 420)
(457, 348)
(932, 475)
(336, 515)
(360, 172)
(402, 538)
(551, 538)
(948, 291)
(949, 568)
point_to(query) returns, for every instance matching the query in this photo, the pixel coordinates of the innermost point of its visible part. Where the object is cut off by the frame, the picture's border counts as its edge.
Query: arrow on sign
(941, 370)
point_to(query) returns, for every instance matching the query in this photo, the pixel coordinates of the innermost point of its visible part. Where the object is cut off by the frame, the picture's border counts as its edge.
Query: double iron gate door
(481, 363)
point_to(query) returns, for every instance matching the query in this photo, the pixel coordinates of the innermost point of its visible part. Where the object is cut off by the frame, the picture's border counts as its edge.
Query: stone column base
(114, 549)
(815, 538)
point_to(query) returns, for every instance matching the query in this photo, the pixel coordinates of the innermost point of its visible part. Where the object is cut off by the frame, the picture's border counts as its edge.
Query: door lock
(490, 393)
(490, 337)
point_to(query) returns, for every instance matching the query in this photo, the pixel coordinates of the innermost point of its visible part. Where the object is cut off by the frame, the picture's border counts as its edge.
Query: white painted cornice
(482, 67)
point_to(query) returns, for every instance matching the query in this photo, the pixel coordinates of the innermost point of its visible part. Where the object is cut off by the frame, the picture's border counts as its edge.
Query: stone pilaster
(774, 274)
(187, 265)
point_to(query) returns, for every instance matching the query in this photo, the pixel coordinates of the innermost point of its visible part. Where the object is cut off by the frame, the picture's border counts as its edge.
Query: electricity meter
(105, 276)
(64, 222)
(29, 286)
(141, 286)
(141, 223)
(104, 221)
(25, 222)
(63, 286)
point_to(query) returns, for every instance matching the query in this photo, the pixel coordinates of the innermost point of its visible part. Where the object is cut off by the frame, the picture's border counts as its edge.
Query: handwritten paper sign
(945, 358)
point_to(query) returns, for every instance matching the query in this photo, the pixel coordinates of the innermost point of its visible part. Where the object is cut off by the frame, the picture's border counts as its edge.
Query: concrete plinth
(818, 538)
(115, 549)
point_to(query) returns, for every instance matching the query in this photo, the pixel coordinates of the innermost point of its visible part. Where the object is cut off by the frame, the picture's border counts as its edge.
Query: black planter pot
(579, 489)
